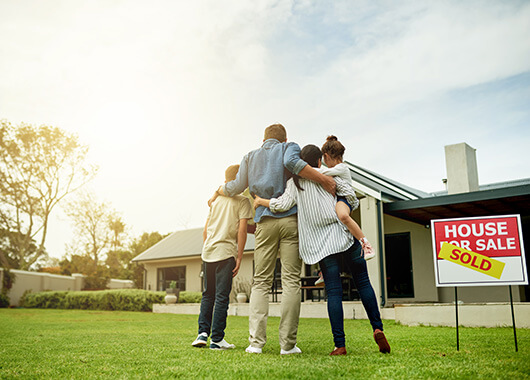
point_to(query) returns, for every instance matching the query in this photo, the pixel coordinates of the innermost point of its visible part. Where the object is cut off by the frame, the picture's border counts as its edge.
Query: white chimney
(461, 164)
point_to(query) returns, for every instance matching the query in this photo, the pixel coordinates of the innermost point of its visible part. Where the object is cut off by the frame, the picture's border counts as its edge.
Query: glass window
(166, 275)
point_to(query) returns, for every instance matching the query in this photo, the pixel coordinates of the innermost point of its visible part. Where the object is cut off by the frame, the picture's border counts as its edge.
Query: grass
(95, 344)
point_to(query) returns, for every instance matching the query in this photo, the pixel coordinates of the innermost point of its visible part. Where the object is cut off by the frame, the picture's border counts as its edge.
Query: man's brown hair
(231, 172)
(276, 131)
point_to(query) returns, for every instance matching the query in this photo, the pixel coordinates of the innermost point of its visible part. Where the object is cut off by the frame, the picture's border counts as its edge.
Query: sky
(167, 94)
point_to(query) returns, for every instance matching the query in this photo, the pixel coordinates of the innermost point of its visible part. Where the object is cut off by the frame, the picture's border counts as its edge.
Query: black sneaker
(201, 341)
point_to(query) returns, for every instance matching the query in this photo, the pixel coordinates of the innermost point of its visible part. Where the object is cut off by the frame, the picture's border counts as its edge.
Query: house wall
(193, 269)
(422, 259)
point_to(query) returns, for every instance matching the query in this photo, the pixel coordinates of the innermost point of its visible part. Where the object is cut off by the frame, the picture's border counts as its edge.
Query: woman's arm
(283, 203)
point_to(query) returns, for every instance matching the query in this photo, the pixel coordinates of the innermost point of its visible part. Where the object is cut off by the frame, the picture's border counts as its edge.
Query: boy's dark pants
(217, 287)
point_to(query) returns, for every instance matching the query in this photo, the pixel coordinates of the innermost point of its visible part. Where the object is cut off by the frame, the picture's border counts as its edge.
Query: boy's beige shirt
(223, 224)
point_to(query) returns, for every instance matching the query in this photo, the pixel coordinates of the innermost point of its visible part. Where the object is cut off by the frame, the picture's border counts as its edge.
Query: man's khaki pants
(275, 236)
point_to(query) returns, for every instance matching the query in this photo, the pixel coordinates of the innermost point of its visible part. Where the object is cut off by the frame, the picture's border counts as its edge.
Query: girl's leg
(343, 212)
(331, 271)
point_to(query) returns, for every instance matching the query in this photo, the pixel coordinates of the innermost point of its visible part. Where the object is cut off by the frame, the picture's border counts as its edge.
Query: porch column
(370, 227)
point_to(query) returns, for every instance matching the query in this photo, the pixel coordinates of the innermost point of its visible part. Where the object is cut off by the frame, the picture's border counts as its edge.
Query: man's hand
(329, 184)
(213, 198)
(236, 269)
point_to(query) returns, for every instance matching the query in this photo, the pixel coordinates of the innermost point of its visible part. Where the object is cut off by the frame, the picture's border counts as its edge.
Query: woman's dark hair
(310, 154)
(333, 147)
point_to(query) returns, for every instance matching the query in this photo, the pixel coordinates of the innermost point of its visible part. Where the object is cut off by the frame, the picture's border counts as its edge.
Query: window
(166, 275)
(398, 258)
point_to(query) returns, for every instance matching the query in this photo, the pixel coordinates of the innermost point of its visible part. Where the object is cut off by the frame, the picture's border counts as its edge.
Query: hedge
(119, 299)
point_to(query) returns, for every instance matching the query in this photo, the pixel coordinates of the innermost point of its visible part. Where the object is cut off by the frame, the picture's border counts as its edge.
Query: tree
(117, 227)
(90, 219)
(139, 245)
(39, 166)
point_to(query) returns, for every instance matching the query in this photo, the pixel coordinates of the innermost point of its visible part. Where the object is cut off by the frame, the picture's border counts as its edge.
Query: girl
(333, 152)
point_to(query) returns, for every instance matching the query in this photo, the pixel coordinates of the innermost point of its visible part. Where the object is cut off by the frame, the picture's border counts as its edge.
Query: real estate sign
(479, 251)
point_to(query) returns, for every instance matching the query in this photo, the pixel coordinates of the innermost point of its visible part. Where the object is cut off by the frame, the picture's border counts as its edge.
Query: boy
(225, 235)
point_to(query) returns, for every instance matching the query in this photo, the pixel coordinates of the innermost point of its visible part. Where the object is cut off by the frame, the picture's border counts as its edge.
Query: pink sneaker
(368, 251)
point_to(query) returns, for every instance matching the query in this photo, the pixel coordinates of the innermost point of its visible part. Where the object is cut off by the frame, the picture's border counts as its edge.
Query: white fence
(38, 282)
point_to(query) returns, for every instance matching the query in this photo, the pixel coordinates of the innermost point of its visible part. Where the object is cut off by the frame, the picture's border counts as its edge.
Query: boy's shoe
(294, 350)
(201, 340)
(368, 251)
(320, 281)
(253, 350)
(381, 341)
(221, 345)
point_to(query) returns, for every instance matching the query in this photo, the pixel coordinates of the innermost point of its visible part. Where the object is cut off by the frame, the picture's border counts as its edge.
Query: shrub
(190, 297)
(120, 299)
(4, 300)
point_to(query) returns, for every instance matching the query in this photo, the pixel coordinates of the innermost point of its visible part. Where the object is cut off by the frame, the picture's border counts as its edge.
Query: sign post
(481, 251)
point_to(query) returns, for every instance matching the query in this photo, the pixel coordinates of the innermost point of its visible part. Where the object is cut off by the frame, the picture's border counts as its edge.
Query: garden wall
(38, 282)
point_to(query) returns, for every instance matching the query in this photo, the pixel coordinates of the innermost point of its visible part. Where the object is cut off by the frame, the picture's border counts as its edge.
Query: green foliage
(39, 166)
(173, 284)
(4, 300)
(8, 279)
(121, 299)
(190, 297)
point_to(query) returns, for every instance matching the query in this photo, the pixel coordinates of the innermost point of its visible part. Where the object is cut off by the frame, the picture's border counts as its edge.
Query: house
(396, 220)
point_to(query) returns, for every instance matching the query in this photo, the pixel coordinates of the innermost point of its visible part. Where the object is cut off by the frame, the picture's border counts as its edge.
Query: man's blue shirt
(264, 171)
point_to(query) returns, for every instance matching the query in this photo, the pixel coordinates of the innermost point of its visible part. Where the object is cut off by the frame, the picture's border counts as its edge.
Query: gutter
(381, 258)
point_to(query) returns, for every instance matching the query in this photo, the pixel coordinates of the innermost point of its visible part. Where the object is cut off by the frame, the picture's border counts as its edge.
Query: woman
(324, 239)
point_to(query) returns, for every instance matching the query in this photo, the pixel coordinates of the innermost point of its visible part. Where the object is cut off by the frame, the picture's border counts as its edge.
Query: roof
(184, 243)
(498, 200)
(381, 187)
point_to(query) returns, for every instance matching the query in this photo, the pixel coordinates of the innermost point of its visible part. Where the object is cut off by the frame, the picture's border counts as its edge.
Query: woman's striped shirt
(320, 231)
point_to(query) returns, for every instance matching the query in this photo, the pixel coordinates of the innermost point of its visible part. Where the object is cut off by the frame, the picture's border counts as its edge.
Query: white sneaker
(253, 350)
(222, 345)
(201, 341)
(294, 350)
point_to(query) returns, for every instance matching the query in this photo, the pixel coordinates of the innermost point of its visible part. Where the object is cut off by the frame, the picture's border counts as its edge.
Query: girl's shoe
(368, 251)
(320, 281)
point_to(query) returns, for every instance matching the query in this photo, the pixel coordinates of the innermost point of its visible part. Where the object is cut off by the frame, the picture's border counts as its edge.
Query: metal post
(513, 319)
(456, 312)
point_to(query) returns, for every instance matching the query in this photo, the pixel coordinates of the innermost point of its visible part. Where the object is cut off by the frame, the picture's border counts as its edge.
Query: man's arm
(328, 183)
(238, 185)
(296, 165)
(241, 241)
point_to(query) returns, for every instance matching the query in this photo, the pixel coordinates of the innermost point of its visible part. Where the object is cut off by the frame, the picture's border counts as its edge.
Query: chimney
(461, 164)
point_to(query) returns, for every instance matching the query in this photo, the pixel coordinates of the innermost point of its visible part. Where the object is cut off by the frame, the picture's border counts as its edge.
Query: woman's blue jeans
(356, 265)
(217, 287)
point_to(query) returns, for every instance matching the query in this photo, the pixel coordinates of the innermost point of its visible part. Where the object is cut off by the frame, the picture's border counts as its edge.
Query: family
(302, 213)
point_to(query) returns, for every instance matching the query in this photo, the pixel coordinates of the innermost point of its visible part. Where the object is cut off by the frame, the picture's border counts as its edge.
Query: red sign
(491, 236)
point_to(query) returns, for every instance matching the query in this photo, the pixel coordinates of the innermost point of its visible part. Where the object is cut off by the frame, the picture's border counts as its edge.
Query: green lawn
(92, 344)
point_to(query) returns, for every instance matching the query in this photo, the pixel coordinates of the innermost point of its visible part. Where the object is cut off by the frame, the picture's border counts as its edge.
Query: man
(264, 171)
